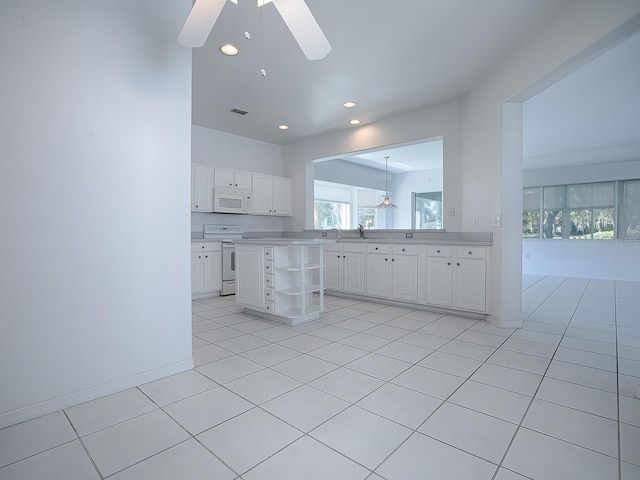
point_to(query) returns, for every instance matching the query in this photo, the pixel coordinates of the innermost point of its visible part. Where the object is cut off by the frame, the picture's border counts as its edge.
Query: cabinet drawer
(333, 247)
(439, 251)
(377, 248)
(268, 267)
(268, 253)
(206, 247)
(268, 281)
(471, 252)
(269, 307)
(268, 294)
(397, 249)
(355, 247)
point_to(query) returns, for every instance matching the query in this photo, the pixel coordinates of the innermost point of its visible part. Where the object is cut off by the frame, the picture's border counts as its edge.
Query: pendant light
(386, 203)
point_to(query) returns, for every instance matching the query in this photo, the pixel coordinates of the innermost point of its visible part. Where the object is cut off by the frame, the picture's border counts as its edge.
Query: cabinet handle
(448, 263)
(470, 252)
(202, 246)
(393, 259)
(437, 251)
(458, 264)
(197, 206)
(376, 248)
(344, 256)
(206, 256)
(386, 259)
(199, 256)
(403, 249)
(338, 256)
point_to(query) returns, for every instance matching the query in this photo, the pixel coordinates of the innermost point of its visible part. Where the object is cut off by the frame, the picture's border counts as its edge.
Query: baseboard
(53, 405)
(504, 323)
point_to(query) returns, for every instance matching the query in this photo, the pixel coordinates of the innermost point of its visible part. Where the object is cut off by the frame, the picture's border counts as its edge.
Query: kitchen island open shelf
(281, 279)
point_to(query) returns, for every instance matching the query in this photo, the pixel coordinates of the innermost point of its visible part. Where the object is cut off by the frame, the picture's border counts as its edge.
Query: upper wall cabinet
(235, 179)
(271, 195)
(202, 188)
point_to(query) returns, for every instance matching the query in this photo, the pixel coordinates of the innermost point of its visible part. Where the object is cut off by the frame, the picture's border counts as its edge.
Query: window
(580, 211)
(629, 210)
(330, 215)
(427, 211)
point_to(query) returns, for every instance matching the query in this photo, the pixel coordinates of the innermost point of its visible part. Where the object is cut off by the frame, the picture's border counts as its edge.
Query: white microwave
(229, 201)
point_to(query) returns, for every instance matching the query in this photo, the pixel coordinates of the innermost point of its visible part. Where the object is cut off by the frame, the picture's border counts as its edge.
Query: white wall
(483, 136)
(582, 174)
(438, 121)
(586, 259)
(94, 200)
(404, 184)
(220, 149)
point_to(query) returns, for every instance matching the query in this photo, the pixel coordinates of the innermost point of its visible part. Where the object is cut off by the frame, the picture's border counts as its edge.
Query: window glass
(554, 197)
(531, 199)
(552, 224)
(629, 210)
(590, 195)
(330, 215)
(531, 224)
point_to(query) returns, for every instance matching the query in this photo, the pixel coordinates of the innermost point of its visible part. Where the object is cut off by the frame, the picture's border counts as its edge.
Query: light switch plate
(496, 221)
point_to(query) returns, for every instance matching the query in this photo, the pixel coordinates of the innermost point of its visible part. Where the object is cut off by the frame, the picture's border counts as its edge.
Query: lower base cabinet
(206, 269)
(285, 282)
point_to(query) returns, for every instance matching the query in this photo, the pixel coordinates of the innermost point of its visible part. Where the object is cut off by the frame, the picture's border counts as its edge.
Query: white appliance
(226, 200)
(226, 234)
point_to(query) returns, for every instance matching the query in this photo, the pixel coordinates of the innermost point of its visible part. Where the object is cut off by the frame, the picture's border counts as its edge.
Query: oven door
(228, 262)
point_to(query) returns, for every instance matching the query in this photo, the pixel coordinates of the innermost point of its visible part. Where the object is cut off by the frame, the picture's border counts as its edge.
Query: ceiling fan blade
(200, 21)
(304, 28)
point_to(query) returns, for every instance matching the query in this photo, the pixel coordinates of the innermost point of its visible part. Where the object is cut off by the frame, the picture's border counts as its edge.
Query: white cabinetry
(235, 179)
(271, 195)
(284, 281)
(392, 271)
(202, 188)
(250, 273)
(470, 275)
(404, 272)
(456, 277)
(206, 269)
(345, 267)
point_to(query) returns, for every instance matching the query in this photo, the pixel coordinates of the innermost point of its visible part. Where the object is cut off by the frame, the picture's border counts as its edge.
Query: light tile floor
(371, 391)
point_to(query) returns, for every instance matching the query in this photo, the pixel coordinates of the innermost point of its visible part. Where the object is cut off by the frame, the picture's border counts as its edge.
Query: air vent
(238, 111)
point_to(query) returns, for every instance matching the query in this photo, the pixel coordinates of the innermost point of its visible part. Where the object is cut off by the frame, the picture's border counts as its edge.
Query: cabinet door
(353, 272)
(242, 180)
(440, 281)
(282, 194)
(333, 270)
(197, 273)
(250, 276)
(470, 281)
(224, 178)
(212, 271)
(201, 188)
(378, 275)
(404, 277)
(262, 193)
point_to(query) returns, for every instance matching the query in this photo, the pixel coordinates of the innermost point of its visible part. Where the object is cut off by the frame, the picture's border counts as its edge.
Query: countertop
(284, 241)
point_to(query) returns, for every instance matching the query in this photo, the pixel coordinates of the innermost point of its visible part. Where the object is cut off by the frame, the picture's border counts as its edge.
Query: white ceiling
(589, 117)
(389, 57)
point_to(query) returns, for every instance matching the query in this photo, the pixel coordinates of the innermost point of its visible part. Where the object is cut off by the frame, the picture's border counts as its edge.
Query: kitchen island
(281, 279)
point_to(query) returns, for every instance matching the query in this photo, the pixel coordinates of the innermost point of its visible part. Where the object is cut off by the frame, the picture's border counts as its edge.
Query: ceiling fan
(295, 13)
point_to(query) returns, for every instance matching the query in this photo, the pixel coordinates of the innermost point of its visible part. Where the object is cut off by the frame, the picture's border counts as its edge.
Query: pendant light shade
(386, 203)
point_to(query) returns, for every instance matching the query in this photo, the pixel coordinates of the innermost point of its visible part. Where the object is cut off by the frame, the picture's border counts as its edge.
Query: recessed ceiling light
(354, 122)
(283, 127)
(348, 104)
(229, 49)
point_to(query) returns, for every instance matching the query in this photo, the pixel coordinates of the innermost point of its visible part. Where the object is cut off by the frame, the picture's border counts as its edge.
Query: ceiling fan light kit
(295, 13)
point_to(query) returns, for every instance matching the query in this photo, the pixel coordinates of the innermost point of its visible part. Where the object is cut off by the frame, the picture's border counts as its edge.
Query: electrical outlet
(408, 235)
(496, 222)
(452, 211)
(324, 234)
(476, 222)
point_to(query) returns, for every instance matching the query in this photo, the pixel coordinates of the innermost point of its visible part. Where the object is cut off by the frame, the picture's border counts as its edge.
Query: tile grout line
(84, 447)
(615, 316)
(543, 377)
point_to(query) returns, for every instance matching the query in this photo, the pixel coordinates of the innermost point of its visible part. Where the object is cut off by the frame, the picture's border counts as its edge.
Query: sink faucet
(361, 230)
